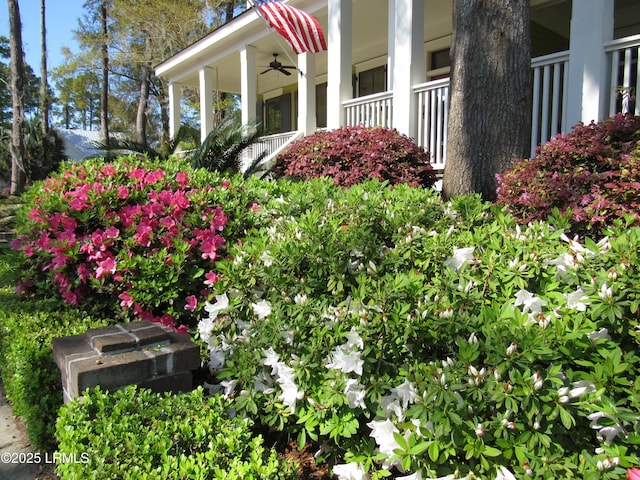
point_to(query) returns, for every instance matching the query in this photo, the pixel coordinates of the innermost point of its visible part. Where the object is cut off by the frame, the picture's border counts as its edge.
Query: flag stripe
(301, 30)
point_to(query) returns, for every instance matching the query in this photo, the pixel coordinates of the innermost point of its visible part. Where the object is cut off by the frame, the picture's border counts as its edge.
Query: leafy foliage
(135, 434)
(591, 174)
(398, 331)
(29, 374)
(43, 155)
(350, 155)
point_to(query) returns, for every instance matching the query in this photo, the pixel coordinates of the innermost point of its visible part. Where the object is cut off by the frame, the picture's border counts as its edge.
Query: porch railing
(371, 111)
(269, 146)
(625, 75)
(433, 115)
(550, 85)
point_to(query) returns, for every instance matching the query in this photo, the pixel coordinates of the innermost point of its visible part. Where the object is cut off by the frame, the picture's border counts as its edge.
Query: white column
(206, 103)
(307, 93)
(175, 93)
(249, 84)
(407, 25)
(339, 43)
(591, 27)
(391, 42)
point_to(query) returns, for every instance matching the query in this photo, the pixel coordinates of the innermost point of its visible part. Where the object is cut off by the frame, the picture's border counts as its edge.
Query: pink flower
(211, 278)
(182, 178)
(123, 192)
(105, 267)
(192, 303)
(127, 300)
(633, 474)
(70, 297)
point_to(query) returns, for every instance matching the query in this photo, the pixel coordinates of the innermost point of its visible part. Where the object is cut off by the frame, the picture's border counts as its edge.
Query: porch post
(175, 93)
(206, 103)
(339, 76)
(407, 25)
(591, 27)
(307, 93)
(248, 87)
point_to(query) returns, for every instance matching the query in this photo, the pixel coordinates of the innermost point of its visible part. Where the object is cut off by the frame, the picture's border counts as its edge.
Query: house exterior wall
(410, 31)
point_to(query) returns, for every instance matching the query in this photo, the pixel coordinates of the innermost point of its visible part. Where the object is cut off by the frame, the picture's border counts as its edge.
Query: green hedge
(135, 434)
(30, 376)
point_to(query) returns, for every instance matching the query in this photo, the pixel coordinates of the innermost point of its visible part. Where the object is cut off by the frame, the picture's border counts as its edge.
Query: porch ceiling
(219, 51)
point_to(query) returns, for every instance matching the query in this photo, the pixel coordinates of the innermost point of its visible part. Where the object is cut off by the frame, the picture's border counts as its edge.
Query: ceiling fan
(278, 67)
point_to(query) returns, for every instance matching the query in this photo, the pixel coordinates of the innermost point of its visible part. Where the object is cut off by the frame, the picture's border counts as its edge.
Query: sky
(62, 20)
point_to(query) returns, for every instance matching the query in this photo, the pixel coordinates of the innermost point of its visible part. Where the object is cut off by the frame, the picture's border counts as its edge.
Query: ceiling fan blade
(267, 70)
(282, 70)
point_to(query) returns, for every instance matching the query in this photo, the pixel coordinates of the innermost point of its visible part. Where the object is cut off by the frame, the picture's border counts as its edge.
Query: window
(277, 114)
(372, 81)
(321, 105)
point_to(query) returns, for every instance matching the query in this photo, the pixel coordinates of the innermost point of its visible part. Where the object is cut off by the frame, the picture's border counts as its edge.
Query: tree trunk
(143, 102)
(490, 112)
(16, 146)
(104, 97)
(44, 85)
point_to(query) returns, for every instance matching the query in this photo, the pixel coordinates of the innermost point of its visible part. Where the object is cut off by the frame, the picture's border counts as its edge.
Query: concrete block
(143, 353)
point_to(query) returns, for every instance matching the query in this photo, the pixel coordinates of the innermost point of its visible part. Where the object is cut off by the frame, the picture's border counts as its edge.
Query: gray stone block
(143, 353)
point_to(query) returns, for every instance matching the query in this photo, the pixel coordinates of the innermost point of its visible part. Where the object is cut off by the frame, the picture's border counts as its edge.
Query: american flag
(301, 30)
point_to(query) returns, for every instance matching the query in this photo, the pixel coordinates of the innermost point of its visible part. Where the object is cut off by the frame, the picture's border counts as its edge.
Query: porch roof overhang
(219, 51)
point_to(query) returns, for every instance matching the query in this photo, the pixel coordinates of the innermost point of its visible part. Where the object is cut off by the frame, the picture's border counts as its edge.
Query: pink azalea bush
(137, 238)
(592, 174)
(350, 155)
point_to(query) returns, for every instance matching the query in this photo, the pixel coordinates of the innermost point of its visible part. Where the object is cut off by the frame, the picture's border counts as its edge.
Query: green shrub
(398, 331)
(350, 155)
(30, 376)
(135, 434)
(591, 174)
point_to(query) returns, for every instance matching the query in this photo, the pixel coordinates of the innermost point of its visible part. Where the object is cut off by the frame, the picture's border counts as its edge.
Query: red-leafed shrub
(350, 155)
(591, 174)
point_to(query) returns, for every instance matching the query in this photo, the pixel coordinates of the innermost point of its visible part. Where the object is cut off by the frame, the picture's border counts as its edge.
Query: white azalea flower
(342, 359)
(222, 303)
(262, 309)
(577, 300)
(355, 393)
(300, 299)
(216, 362)
(602, 334)
(461, 257)
(353, 339)
(605, 293)
(608, 433)
(382, 432)
(406, 393)
(581, 387)
(266, 258)
(529, 302)
(350, 471)
(205, 326)
(229, 387)
(272, 357)
(563, 263)
(290, 394)
(391, 404)
(504, 474)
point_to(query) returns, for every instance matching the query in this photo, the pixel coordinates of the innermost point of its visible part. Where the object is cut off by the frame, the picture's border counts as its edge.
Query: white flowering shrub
(410, 338)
